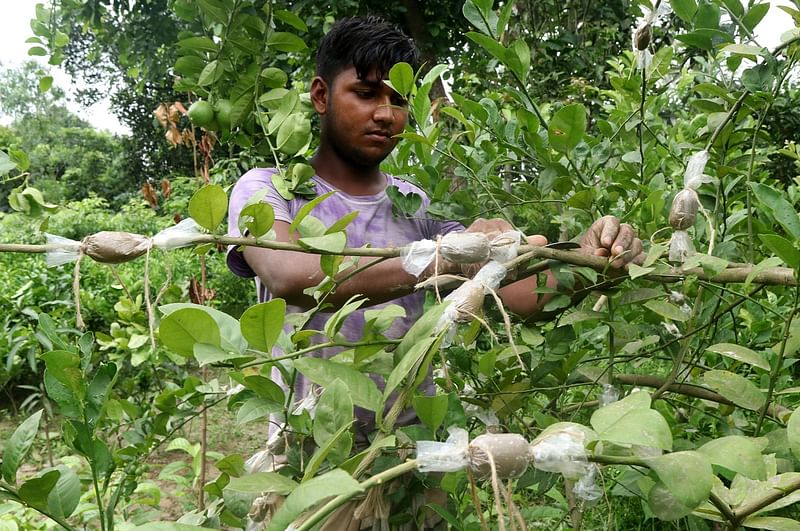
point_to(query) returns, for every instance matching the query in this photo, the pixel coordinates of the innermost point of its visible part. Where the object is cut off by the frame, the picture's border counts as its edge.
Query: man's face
(361, 117)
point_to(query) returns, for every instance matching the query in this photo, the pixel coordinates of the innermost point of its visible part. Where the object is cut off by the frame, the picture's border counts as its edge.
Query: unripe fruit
(223, 114)
(201, 113)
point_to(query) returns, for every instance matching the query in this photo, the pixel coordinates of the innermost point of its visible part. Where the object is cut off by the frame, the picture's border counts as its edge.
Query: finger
(601, 252)
(624, 239)
(610, 229)
(537, 240)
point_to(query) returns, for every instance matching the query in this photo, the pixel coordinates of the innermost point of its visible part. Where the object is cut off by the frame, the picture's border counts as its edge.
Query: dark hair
(367, 43)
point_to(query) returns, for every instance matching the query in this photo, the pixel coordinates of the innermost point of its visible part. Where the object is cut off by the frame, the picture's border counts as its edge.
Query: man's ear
(320, 92)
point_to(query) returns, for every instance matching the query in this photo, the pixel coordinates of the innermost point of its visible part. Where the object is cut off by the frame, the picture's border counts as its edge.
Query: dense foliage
(551, 121)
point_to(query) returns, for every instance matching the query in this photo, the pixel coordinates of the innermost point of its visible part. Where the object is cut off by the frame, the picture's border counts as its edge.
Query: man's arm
(606, 237)
(287, 273)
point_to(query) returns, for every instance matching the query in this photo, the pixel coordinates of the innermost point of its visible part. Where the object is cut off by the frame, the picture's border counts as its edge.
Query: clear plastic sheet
(609, 395)
(65, 252)
(681, 246)
(561, 450)
(694, 175)
(449, 456)
(586, 487)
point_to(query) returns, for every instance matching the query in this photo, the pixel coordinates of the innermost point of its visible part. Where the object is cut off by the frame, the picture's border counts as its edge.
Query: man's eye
(400, 102)
(364, 93)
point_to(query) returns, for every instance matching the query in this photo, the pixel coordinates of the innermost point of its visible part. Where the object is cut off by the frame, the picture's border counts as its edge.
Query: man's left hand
(610, 238)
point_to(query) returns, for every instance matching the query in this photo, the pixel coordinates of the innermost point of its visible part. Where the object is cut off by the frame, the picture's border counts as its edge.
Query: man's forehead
(371, 78)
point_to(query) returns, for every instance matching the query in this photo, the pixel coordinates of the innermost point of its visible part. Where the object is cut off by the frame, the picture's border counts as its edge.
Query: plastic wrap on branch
(609, 395)
(685, 206)
(466, 301)
(111, 247)
(561, 449)
(460, 248)
(642, 35)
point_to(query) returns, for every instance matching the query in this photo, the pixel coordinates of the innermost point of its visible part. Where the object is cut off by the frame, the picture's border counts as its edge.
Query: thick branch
(782, 276)
(694, 391)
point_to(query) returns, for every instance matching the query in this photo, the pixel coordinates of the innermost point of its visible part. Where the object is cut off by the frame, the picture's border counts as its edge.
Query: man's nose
(384, 112)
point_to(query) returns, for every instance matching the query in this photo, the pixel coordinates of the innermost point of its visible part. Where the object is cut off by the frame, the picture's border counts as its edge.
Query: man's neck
(351, 179)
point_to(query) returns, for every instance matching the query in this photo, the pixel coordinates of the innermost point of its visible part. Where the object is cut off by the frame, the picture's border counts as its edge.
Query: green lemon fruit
(223, 114)
(201, 113)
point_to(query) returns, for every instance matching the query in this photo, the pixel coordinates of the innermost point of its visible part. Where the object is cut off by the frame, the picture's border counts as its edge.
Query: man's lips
(380, 136)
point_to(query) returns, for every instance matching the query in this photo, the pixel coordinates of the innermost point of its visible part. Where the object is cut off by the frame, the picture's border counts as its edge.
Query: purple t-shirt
(375, 225)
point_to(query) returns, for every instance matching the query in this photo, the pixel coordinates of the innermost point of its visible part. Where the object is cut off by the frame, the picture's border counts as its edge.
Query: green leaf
(240, 492)
(329, 243)
(792, 433)
(685, 9)
(336, 321)
(231, 339)
(291, 19)
(45, 83)
(771, 523)
(294, 134)
(211, 73)
(379, 320)
(518, 59)
(687, 475)
(182, 329)
(667, 310)
(707, 16)
(274, 77)
(342, 437)
(567, 127)
(64, 498)
(322, 372)
(97, 392)
(736, 453)
(306, 209)
(35, 492)
(401, 76)
(735, 388)
(783, 249)
(6, 165)
(258, 218)
(256, 408)
(405, 367)
(740, 353)
(206, 354)
(497, 50)
(636, 271)
(431, 410)
(201, 44)
(631, 421)
(17, 446)
(286, 42)
(334, 483)
(334, 411)
(65, 367)
(480, 16)
(265, 388)
(208, 206)
(261, 324)
(756, 13)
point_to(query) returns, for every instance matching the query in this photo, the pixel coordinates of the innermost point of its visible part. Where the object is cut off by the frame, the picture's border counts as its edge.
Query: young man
(360, 117)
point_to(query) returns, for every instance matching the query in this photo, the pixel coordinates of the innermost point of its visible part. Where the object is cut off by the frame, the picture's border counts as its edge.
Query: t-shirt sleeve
(254, 181)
